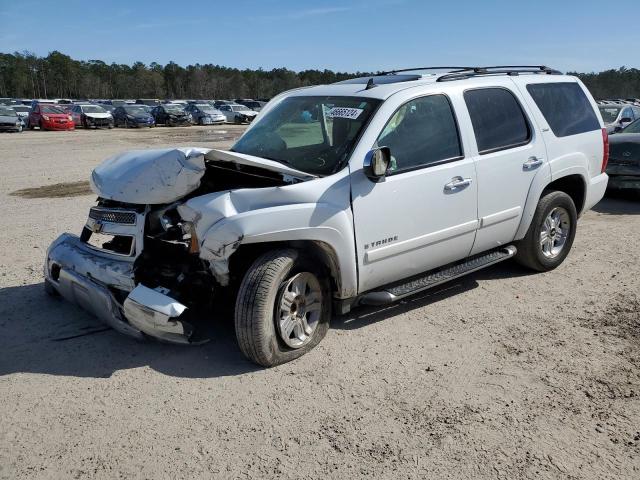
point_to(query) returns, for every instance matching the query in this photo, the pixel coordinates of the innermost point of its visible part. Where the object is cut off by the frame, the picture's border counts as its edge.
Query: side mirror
(625, 120)
(376, 163)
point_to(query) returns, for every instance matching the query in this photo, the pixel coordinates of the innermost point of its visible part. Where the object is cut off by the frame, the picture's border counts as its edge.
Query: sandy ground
(504, 374)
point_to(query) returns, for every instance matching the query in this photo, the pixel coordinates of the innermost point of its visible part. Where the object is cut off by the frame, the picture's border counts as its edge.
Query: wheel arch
(318, 251)
(573, 184)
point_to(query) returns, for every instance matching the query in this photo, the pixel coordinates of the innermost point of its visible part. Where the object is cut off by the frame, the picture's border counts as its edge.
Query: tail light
(605, 152)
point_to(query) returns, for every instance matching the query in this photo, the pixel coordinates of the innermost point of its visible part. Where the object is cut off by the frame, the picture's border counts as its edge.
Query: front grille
(113, 216)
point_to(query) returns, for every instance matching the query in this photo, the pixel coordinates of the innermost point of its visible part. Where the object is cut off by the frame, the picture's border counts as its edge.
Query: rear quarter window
(565, 107)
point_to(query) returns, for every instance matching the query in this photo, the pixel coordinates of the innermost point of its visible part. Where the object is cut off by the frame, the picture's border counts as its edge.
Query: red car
(50, 117)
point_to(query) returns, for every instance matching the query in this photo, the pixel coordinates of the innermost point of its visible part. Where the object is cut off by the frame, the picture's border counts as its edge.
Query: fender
(315, 210)
(572, 164)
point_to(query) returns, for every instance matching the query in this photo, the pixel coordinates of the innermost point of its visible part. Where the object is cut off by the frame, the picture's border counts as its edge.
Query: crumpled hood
(163, 176)
(149, 176)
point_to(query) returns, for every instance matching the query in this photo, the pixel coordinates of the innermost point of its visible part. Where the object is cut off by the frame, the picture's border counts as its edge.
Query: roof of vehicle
(383, 85)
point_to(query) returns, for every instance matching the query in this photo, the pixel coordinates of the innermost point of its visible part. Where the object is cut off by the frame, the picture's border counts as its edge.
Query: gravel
(503, 374)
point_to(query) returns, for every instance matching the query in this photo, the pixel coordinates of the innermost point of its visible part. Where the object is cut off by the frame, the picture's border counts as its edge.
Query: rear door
(508, 152)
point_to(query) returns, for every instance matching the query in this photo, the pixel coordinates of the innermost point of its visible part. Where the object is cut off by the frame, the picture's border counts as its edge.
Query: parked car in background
(205, 114)
(254, 105)
(616, 116)
(219, 103)
(50, 117)
(171, 115)
(9, 120)
(236, 113)
(148, 101)
(23, 112)
(132, 116)
(89, 115)
(624, 158)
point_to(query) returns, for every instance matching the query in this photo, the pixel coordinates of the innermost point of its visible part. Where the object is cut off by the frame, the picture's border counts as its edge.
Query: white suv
(360, 192)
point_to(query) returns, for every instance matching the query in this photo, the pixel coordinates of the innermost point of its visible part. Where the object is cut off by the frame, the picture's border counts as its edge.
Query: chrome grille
(113, 216)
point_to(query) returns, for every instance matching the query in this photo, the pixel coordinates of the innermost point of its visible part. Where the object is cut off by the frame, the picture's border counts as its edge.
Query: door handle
(457, 183)
(531, 163)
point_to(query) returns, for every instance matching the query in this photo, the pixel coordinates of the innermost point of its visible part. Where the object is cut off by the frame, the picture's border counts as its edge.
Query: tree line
(26, 75)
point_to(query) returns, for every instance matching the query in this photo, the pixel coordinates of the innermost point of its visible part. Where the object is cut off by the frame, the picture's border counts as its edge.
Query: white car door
(508, 152)
(423, 213)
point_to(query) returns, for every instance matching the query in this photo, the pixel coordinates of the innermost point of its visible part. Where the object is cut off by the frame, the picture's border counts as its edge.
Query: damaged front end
(137, 264)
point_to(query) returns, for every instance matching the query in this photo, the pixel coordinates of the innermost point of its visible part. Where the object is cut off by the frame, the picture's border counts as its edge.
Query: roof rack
(459, 73)
(402, 70)
(498, 70)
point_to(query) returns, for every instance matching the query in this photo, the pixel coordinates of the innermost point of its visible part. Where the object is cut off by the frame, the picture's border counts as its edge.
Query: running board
(431, 279)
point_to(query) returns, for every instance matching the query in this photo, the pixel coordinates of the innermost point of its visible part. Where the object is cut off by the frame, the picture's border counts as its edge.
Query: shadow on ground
(41, 334)
(619, 203)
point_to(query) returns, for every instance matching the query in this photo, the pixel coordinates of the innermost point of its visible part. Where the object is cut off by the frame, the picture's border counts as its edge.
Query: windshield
(7, 111)
(239, 108)
(93, 109)
(174, 108)
(312, 134)
(135, 110)
(609, 114)
(632, 127)
(21, 108)
(50, 109)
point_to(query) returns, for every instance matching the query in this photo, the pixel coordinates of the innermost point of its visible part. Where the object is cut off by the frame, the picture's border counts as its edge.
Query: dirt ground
(503, 374)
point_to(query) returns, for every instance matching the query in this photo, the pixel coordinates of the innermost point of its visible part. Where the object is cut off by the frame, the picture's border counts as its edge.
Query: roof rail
(402, 70)
(497, 70)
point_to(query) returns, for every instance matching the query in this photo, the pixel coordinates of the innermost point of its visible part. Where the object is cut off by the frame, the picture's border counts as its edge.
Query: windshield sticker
(344, 112)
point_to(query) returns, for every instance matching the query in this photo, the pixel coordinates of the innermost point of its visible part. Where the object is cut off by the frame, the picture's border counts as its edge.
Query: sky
(346, 35)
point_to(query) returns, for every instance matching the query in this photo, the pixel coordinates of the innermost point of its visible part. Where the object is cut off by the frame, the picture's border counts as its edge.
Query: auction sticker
(344, 112)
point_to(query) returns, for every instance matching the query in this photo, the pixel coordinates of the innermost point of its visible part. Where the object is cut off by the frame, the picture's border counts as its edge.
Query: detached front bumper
(97, 284)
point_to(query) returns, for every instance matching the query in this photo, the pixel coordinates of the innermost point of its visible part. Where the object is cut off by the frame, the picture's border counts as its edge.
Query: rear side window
(565, 108)
(497, 118)
(420, 133)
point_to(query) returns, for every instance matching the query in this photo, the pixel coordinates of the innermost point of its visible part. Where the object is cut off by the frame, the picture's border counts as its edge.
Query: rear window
(565, 107)
(497, 119)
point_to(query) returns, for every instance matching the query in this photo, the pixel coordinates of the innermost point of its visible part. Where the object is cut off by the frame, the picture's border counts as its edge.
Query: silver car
(205, 114)
(616, 116)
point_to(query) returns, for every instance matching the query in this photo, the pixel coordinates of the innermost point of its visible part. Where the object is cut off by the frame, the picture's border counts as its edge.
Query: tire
(259, 303)
(40, 125)
(546, 255)
(200, 122)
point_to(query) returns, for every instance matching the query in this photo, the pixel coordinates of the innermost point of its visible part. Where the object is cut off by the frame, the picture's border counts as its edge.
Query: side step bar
(431, 279)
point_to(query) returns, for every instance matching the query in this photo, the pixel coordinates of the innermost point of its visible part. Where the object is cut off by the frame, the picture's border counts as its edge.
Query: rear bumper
(595, 190)
(93, 282)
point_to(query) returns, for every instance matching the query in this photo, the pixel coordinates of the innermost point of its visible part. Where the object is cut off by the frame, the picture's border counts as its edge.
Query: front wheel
(283, 308)
(551, 233)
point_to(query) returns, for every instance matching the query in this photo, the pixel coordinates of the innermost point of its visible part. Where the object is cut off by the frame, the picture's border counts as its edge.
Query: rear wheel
(551, 233)
(283, 308)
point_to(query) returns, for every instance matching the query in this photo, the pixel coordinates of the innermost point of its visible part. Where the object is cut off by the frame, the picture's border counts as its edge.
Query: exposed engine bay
(164, 248)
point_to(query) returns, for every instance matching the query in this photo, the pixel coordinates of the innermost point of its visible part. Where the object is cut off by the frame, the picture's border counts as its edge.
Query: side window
(497, 118)
(565, 107)
(627, 113)
(421, 132)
